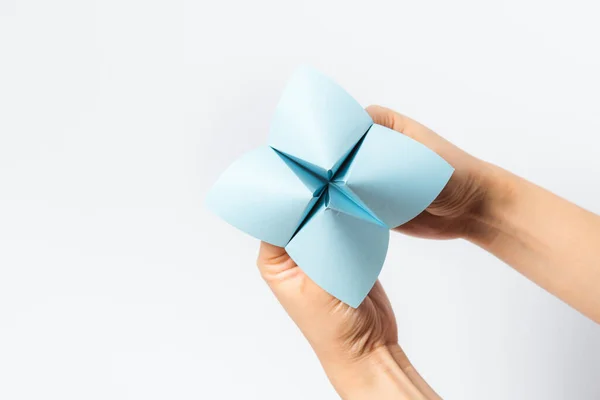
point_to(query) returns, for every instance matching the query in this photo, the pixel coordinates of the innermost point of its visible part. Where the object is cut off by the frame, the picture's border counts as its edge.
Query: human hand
(462, 203)
(482, 203)
(358, 348)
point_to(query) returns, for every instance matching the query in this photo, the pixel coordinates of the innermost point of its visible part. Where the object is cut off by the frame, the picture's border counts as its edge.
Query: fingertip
(380, 115)
(269, 253)
(276, 267)
(390, 119)
(401, 123)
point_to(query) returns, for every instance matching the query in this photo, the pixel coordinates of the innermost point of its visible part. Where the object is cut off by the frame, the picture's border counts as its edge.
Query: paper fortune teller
(329, 185)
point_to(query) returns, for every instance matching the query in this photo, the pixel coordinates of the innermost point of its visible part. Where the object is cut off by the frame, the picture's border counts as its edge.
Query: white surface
(116, 116)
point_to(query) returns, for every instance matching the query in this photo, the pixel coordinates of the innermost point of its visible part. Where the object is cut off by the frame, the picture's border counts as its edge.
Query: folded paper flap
(340, 253)
(315, 208)
(262, 196)
(323, 184)
(313, 182)
(346, 163)
(330, 186)
(339, 199)
(317, 121)
(395, 176)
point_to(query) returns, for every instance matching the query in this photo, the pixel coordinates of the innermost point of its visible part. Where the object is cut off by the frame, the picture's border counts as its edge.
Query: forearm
(383, 374)
(551, 241)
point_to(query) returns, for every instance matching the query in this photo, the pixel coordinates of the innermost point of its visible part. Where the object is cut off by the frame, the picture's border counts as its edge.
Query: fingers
(390, 118)
(273, 261)
(463, 194)
(318, 314)
(396, 121)
(291, 286)
(409, 127)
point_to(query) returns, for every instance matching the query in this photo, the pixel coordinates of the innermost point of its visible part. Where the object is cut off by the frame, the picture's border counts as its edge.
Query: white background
(117, 116)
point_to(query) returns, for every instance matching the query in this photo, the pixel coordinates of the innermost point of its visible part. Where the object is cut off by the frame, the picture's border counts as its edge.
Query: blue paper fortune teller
(329, 186)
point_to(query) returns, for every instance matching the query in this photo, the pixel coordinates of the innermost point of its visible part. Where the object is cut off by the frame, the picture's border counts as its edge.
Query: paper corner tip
(306, 69)
(355, 302)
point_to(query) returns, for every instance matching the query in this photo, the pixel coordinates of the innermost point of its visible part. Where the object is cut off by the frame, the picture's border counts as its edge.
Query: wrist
(377, 374)
(486, 220)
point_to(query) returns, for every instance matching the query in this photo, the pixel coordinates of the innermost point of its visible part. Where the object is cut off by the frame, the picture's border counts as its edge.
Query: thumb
(334, 329)
(305, 302)
(409, 127)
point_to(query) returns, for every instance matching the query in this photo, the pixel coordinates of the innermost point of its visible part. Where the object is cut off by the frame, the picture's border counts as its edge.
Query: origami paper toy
(329, 186)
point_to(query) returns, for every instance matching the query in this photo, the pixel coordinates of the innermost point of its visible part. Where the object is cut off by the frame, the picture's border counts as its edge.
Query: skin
(509, 217)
